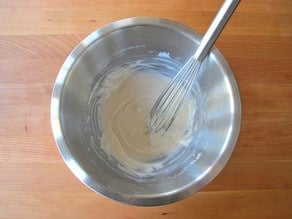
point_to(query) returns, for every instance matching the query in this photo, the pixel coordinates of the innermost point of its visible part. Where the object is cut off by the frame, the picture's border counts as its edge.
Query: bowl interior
(126, 40)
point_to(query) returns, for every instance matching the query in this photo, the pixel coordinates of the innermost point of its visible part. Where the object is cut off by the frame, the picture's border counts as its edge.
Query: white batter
(127, 98)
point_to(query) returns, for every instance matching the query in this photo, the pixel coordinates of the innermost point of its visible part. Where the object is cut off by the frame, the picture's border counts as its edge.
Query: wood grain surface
(36, 37)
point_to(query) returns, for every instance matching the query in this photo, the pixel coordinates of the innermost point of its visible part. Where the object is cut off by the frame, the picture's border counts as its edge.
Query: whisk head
(167, 106)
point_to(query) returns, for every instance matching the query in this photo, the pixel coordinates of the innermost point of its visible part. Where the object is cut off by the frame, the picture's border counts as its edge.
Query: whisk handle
(215, 28)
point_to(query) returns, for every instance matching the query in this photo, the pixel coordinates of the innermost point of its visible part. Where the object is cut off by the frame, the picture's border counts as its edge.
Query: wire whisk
(168, 104)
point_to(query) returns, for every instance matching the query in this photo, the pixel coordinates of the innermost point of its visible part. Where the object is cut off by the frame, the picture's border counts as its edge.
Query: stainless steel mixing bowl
(132, 37)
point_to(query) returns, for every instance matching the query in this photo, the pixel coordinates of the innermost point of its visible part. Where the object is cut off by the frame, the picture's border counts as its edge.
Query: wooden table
(35, 38)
